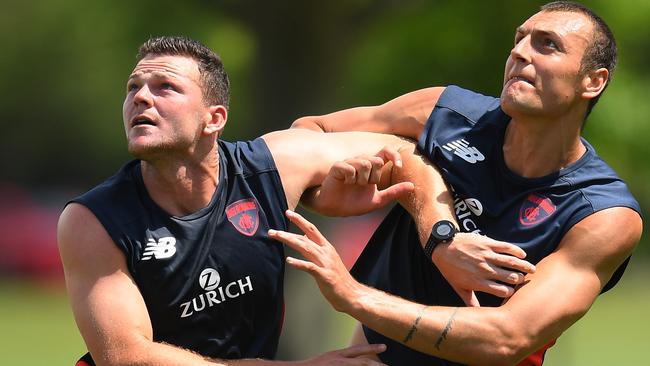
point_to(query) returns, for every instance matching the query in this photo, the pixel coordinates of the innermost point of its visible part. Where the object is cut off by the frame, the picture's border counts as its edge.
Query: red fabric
(537, 358)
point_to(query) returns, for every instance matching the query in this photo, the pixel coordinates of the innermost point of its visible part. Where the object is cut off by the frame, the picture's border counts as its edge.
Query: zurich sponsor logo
(461, 148)
(162, 249)
(209, 280)
(535, 209)
(466, 211)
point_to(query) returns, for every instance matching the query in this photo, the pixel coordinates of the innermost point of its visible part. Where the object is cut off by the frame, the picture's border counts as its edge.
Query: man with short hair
(520, 172)
(168, 262)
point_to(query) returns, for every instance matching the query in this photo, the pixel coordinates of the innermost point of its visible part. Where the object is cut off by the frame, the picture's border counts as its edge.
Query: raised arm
(304, 158)
(564, 287)
(111, 314)
(405, 116)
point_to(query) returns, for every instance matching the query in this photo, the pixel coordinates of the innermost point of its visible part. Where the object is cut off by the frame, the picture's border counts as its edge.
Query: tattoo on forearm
(443, 335)
(414, 327)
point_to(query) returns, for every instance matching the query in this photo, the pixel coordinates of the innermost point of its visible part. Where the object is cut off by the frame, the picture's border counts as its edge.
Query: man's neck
(535, 148)
(182, 186)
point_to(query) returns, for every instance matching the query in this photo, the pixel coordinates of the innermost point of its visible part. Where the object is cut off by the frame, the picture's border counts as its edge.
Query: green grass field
(38, 329)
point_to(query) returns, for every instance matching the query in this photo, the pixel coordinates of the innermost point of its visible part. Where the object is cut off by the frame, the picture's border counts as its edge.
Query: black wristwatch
(442, 232)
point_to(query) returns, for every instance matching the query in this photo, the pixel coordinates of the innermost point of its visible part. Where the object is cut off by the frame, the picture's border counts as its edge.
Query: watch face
(443, 230)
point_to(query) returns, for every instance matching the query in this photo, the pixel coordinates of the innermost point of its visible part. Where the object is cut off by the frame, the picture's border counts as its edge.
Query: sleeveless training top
(212, 280)
(464, 138)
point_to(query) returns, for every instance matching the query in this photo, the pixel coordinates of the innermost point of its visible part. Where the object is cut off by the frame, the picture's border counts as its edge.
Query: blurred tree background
(64, 65)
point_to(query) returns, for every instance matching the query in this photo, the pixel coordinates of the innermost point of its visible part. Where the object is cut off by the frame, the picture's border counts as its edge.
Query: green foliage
(64, 64)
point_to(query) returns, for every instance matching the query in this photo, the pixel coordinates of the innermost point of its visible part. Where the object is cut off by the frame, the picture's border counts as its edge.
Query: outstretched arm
(561, 291)
(304, 158)
(405, 116)
(111, 314)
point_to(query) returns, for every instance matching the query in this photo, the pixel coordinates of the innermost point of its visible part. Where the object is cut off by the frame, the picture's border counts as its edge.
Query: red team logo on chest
(244, 216)
(535, 210)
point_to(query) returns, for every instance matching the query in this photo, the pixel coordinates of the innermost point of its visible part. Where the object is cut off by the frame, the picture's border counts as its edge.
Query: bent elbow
(509, 355)
(513, 347)
(308, 123)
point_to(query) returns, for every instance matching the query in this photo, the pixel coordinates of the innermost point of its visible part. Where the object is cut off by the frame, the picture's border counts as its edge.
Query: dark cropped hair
(601, 52)
(214, 80)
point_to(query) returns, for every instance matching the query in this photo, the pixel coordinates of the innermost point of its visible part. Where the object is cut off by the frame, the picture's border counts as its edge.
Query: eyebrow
(522, 29)
(154, 74)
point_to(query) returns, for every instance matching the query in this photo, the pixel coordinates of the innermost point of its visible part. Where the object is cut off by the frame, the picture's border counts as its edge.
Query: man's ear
(217, 122)
(594, 82)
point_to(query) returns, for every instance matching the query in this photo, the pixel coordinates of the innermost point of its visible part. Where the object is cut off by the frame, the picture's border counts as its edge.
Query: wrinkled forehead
(179, 67)
(566, 24)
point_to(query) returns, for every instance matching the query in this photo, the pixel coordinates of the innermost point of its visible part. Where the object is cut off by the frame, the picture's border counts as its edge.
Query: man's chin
(143, 152)
(514, 106)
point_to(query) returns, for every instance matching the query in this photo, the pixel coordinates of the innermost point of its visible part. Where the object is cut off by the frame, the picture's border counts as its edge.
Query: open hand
(473, 262)
(321, 261)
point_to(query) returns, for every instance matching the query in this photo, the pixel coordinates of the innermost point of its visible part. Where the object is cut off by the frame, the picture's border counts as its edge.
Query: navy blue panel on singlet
(212, 280)
(464, 138)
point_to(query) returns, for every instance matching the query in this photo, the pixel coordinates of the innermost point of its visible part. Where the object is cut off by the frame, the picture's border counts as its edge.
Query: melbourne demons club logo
(244, 216)
(535, 209)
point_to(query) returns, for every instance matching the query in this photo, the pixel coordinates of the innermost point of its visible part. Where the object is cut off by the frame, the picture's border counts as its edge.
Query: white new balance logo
(164, 248)
(461, 148)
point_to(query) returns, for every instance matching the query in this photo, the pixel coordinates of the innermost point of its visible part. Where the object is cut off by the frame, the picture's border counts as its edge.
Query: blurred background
(63, 69)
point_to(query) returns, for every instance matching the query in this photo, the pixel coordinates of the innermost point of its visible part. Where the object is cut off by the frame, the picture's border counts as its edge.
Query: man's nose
(143, 96)
(521, 50)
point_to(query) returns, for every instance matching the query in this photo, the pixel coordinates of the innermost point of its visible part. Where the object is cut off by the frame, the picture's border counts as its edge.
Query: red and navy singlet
(464, 138)
(212, 281)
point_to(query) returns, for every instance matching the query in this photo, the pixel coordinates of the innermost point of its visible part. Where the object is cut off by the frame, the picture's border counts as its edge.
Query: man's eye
(132, 87)
(167, 86)
(550, 43)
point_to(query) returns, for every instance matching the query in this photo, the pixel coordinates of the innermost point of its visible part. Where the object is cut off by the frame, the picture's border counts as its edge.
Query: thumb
(468, 297)
(473, 300)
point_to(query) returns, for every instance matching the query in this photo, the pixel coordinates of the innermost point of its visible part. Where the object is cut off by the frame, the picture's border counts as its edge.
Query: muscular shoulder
(603, 240)
(83, 242)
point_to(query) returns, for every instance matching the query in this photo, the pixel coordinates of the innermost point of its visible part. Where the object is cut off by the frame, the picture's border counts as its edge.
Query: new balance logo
(462, 149)
(164, 248)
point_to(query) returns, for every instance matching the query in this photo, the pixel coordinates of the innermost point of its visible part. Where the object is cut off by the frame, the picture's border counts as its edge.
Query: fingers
(302, 265)
(394, 192)
(512, 263)
(510, 256)
(468, 297)
(365, 169)
(390, 154)
(362, 350)
(310, 230)
(296, 242)
(507, 276)
(497, 289)
(507, 248)
(344, 172)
